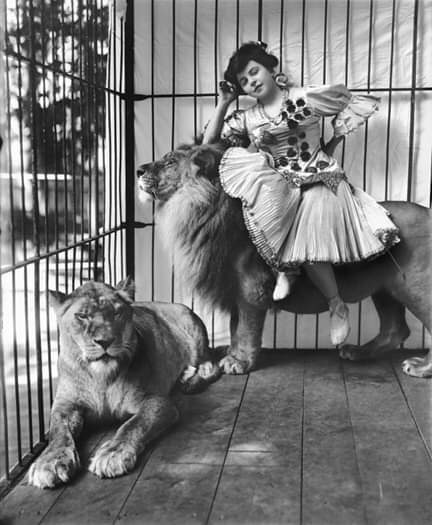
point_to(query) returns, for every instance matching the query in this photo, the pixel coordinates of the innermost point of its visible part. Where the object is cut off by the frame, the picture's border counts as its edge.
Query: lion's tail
(196, 379)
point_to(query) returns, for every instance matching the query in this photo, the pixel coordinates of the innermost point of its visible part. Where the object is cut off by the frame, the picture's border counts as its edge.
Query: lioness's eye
(81, 317)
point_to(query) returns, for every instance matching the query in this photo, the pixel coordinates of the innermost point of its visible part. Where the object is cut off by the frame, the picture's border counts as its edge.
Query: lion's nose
(104, 343)
(143, 169)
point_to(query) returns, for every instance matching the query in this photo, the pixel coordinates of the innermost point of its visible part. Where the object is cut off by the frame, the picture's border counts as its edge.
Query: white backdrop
(166, 56)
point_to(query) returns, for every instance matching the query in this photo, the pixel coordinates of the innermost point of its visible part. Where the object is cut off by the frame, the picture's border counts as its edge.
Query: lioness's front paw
(113, 459)
(232, 365)
(55, 466)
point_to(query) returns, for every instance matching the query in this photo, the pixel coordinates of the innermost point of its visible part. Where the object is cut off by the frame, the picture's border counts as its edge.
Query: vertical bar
(390, 94)
(260, 15)
(13, 257)
(130, 139)
(25, 317)
(107, 202)
(36, 226)
(116, 165)
(173, 108)
(413, 101)
(347, 32)
(152, 87)
(366, 129)
(131, 182)
(281, 27)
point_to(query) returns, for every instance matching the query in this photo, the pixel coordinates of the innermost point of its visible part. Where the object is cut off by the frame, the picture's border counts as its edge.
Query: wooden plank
(418, 393)
(179, 481)
(394, 466)
(332, 491)
(259, 495)
(271, 411)
(205, 425)
(261, 478)
(27, 504)
(171, 493)
(92, 500)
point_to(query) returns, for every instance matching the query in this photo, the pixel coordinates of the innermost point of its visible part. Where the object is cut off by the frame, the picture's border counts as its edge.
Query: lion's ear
(126, 289)
(56, 299)
(207, 159)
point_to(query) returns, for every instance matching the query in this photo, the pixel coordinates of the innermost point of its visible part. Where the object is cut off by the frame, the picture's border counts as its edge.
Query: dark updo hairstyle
(240, 58)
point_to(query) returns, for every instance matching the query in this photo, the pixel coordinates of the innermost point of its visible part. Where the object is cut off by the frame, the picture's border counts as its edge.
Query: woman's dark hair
(240, 58)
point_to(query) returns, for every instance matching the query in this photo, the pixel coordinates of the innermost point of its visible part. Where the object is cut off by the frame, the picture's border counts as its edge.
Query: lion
(214, 254)
(119, 360)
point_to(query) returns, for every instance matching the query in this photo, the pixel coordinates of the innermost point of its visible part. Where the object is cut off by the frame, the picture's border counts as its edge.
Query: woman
(298, 206)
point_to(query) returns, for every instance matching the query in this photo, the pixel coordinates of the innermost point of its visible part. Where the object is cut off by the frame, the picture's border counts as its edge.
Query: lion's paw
(417, 367)
(208, 370)
(56, 465)
(113, 459)
(232, 365)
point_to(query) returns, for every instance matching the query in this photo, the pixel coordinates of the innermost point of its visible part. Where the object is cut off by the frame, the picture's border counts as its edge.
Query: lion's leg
(418, 302)
(119, 455)
(246, 335)
(393, 330)
(59, 462)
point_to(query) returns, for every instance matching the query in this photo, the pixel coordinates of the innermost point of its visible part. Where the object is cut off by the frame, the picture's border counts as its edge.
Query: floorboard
(394, 465)
(306, 439)
(331, 487)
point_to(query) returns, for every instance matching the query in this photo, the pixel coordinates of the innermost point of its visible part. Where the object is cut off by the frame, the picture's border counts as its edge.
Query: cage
(92, 89)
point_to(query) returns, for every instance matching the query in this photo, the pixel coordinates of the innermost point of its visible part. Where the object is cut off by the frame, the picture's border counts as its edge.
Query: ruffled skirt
(295, 225)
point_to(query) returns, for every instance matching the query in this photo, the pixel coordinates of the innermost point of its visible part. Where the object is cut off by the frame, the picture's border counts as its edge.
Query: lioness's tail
(196, 379)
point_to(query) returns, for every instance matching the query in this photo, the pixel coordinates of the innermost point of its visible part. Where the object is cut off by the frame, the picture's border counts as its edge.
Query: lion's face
(98, 319)
(162, 178)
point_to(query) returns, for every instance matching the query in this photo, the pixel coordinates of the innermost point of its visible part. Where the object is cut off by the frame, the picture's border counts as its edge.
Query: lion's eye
(81, 317)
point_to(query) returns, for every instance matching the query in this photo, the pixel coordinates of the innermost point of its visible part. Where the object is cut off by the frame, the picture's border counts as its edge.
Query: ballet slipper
(339, 321)
(282, 288)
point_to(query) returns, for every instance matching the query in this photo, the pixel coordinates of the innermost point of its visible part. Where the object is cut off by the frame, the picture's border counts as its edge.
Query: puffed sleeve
(351, 110)
(234, 129)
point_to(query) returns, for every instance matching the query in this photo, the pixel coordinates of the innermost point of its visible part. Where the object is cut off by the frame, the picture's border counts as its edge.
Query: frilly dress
(297, 203)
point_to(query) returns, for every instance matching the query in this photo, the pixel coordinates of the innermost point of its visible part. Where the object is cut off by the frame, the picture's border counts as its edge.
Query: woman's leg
(323, 277)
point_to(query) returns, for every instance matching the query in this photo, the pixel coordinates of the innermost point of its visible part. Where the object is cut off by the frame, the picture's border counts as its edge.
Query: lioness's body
(205, 228)
(118, 361)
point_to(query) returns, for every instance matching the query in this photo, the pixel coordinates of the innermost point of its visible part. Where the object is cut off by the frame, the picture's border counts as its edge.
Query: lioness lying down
(118, 360)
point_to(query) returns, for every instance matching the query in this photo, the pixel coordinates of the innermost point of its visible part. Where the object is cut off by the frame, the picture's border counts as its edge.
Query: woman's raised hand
(227, 92)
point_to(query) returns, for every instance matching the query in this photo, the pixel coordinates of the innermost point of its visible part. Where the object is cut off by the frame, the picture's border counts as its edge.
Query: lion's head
(201, 224)
(96, 327)
(161, 179)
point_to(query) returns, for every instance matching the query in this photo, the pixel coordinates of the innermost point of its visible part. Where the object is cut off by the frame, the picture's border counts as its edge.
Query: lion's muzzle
(146, 184)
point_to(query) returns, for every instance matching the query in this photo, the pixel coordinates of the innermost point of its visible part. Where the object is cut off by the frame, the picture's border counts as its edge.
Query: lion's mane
(204, 228)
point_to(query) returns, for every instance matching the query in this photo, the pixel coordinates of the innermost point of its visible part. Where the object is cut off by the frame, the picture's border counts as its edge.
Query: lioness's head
(162, 178)
(95, 323)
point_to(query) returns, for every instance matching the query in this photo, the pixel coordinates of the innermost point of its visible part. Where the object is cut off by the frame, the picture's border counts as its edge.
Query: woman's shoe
(339, 321)
(282, 288)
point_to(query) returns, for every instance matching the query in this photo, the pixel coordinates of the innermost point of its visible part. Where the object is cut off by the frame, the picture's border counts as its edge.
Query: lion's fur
(217, 258)
(119, 360)
(201, 224)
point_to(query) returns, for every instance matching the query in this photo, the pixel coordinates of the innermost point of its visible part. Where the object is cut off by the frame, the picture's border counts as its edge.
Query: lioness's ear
(56, 299)
(126, 289)
(207, 159)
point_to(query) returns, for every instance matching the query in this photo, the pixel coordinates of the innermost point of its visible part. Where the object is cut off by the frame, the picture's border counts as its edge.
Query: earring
(281, 80)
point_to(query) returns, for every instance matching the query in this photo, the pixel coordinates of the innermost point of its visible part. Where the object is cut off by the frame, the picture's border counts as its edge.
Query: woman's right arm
(214, 127)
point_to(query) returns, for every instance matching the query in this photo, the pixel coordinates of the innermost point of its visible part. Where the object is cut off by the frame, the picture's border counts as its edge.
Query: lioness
(118, 360)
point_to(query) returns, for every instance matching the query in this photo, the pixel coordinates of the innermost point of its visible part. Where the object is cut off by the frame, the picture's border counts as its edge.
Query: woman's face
(256, 80)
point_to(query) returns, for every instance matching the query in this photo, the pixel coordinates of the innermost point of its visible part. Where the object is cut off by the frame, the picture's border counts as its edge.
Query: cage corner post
(130, 138)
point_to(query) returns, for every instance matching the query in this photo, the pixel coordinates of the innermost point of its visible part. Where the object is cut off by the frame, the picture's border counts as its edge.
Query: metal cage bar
(67, 213)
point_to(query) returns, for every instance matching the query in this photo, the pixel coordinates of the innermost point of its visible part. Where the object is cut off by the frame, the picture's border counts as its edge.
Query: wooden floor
(306, 439)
